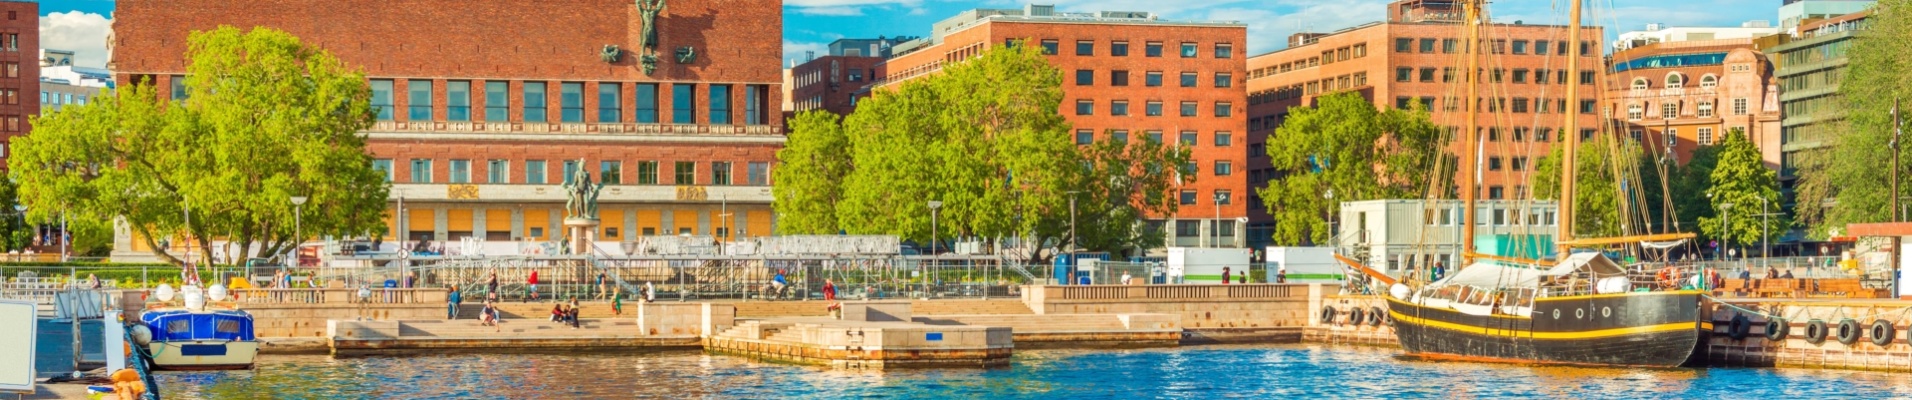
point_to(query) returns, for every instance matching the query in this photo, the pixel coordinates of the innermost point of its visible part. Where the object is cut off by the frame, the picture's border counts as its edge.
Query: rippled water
(1276, 371)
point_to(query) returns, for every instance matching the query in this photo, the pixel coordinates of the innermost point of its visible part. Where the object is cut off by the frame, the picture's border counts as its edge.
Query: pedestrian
(829, 290)
(485, 316)
(1281, 275)
(491, 286)
(532, 282)
(451, 303)
(93, 281)
(558, 312)
(576, 309)
(1126, 278)
(411, 280)
(602, 290)
(1788, 275)
(1225, 275)
(1772, 273)
(650, 292)
(617, 301)
(1244, 278)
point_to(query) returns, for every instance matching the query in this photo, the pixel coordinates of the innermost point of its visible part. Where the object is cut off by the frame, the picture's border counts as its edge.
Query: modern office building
(19, 71)
(61, 83)
(1795, 13)
(1810, 67)
(485, 108)
(833, 82)
(1414, 56)
(1128, 76)
(1660, 33)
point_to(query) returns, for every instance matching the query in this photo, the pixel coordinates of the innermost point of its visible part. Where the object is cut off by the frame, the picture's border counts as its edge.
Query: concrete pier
(870, 335)
(1796, 349)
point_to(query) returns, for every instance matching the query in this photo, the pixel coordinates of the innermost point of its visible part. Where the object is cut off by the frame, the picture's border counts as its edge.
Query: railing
(338, 296)
(1171, 292)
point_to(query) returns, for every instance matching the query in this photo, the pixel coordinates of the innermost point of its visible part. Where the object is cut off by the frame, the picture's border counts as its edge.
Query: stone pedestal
(581, 232)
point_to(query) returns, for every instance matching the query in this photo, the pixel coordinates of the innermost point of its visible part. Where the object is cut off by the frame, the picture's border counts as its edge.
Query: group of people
(568, 315)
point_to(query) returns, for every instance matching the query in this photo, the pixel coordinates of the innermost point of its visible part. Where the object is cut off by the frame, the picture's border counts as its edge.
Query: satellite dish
(217, 292)
(164, 292)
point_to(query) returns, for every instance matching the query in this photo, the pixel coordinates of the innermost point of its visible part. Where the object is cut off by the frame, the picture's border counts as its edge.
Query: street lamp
(1725, 224)
(1332, 238)
(1216, 233)
(298, 226)
(933, 205)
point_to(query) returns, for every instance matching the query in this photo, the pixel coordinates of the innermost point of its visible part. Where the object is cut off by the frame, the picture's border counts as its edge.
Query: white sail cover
(1493, 275)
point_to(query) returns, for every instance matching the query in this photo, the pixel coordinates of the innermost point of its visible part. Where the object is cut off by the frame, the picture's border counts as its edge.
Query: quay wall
(1795, 349)
(1374, 327)
(1200, 307)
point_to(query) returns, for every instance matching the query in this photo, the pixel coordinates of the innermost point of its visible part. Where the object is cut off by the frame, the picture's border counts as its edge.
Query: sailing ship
(1581, 309)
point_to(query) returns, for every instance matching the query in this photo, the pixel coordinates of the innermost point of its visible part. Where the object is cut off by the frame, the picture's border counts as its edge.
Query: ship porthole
(1580, 313)
(1556, 313)
(1606, 312)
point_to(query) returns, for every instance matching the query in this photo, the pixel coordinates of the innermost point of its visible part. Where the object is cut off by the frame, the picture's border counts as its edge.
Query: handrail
(1169, 292)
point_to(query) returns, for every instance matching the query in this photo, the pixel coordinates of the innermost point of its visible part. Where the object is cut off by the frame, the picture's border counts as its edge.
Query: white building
(1657, 33)
(1793, 13)
(1396, 235)
(61, 83)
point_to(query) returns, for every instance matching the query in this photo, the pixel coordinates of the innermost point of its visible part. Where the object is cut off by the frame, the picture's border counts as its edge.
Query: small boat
(194, 338)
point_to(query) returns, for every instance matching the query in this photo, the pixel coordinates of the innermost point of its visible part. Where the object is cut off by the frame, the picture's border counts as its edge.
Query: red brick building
(1128, 76)
(1413, 56)
(484, 105)
(831, 83)
(1686, 94)
(19, 71)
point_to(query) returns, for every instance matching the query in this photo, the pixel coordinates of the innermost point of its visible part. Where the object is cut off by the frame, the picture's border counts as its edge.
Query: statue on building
(581, 195)
(649, 10)
(611, 54)
(686, 54)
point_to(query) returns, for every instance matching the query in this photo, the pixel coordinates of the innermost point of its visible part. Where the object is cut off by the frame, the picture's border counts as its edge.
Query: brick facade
(19, 71)
(1717, 86)
(1193, 223)
(828, 83)
(665, 117)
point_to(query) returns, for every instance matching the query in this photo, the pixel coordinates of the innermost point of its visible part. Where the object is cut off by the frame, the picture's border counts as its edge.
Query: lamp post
(298, 227)
(933, 206)
(1725, 225)
(1333, 239)
(1216, 226)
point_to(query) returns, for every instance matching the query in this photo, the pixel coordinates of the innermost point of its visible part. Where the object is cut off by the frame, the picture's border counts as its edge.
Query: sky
(810, 25)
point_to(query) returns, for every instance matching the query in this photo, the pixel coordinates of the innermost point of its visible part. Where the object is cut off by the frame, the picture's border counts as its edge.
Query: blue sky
(81, 25)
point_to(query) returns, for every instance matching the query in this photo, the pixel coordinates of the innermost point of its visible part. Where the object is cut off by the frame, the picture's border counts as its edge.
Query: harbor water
(1272, 371)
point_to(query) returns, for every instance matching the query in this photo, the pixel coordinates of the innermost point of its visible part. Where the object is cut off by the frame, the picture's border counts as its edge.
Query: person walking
(532, 283)
(650, 292)
(829, 290)
(602, 290)
(1225, 275)
(491, 286)
(617, 301)
(451, 303)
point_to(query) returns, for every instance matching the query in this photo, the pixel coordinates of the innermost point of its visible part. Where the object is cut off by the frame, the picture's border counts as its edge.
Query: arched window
(1640, 84)
(1709, 81)
(1674, 80)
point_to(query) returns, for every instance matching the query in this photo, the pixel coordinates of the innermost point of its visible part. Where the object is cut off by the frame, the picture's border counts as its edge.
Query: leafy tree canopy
(1852, 176)
(1346, 145)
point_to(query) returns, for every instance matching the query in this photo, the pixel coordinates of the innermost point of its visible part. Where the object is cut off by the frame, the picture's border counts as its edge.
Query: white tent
(1495, 275)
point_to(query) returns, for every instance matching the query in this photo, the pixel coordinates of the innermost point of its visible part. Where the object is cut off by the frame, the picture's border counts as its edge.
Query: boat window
(227, 327)
(179, 327)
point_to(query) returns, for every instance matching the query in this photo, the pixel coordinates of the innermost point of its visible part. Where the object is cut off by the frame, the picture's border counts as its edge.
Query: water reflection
(1283, 371)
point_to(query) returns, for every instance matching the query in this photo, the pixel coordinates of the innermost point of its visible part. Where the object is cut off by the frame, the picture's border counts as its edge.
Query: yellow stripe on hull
(1602, 333)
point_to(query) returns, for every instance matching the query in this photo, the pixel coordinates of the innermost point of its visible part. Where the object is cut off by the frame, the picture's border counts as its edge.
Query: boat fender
(1815, 331)
(1776, 328)
(1883, 333)
(1375, 315)
(1355, 316)
(1739, 327)
(1327, 314)
(1848, 331)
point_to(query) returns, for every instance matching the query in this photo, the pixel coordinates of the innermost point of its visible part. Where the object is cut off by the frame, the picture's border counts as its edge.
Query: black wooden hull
(1656, 329)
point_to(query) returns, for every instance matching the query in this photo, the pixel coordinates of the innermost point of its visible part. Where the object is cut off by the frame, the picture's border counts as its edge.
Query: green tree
(266, 118)
(1346, 145)
(810, 173)
(1878, 76)
(15, 232)
(1601, 207)
(1742, 179)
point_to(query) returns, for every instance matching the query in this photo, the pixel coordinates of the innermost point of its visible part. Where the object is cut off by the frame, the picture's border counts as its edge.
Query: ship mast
(1569, 130)
(1468, 159)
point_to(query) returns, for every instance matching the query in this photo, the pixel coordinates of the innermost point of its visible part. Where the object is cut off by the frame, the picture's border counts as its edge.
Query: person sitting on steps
(558, 313)
(777, 285)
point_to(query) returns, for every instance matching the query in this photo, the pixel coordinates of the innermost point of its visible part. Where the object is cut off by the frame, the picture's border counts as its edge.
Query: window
(720, 104)
(498, 171)
(1493, 163)
(1223, 197)
(534, 104)
(1188, 49)
(1224, 50)
(1706, 136)
(611, 172)
(1119, 49)
(1497, 74)
(1224, 109)
(1188, 198)
(686, 172)
(381, 96)
(1674, 80)
(1520, 75)
(1188, 79)
(1224, 79)
(1188, 108)
(384, 166)
(1085, 48)
(1403, 74)
(1709, 82)
(1153, 79)
(1496, 193)
(1449, 46)
(1586, 134)
(1427, 45)
(646, 103)
(1519, 163)
(1119, 108)
(1520, 105)
(608, 109)
(1447, 74)
(1224, 168)
(754, 104)
(1586, 106)
(1427, 74)
(1706, 109)
(1153, 109)
(1084, 137)
(683, 103)
(1403, 45)
(646, 173)
(1586, 77)
(1542, 134)
(1085, 77)
(1739, 106)
(1634, 112)
(460, 171)
(1119, 136)
(1540, 76)
(1189, 138)
(758, 173)
(1669, 110)
(421, 170)
(534, 171)
(570, 172)
(458, 101)
(1050, 47)
(1118, 78)
(1224, 139)
(1520, 47)
(720, 173)
(1085, 107)
(1540, 47)
(1152, 49)
(497, 100)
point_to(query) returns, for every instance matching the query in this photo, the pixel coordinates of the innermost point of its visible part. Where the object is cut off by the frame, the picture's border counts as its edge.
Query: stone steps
(1045, 323)
(542, 310)
(523, 327)
(815, 308)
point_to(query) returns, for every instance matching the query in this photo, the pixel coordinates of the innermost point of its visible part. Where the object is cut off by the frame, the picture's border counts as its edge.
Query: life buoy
(1883, 333)
(1327, 314)
(1776, 328)
(1355, 316)
(1738, 328)
(1848, 331)
(1815, 331)
(1375, 315)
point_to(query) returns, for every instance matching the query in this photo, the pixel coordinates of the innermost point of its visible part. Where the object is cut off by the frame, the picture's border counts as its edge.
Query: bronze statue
(580, 194)
(611, 54)
(649, 61)
(649, 9)
(686, 54)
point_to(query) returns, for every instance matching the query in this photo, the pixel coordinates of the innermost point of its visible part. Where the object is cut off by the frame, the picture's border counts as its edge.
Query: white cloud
(793, 52)
(83, 33)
